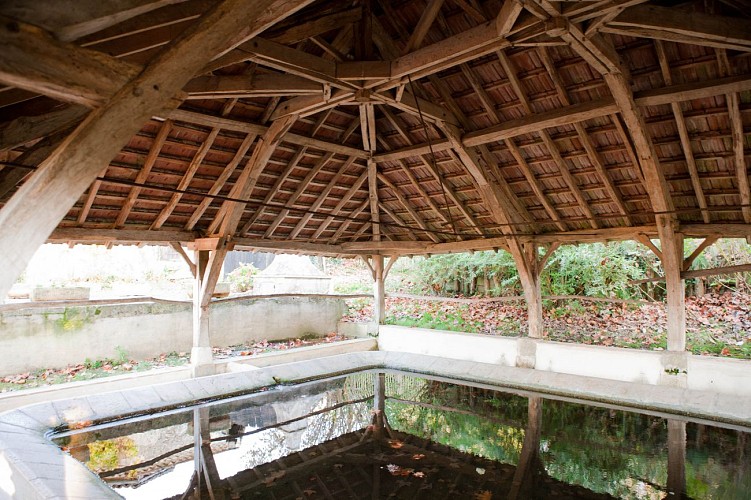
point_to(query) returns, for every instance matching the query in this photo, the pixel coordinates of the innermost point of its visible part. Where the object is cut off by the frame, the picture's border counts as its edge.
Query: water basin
(391, 434)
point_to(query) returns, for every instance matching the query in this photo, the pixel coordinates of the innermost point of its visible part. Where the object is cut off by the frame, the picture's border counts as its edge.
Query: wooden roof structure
(373, 127)
(424, 122)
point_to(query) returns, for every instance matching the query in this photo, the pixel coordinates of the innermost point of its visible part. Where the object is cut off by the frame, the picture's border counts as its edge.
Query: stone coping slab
(32, 467)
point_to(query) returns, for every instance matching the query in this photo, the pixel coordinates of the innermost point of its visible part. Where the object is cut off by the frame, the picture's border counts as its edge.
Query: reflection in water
(372, 435)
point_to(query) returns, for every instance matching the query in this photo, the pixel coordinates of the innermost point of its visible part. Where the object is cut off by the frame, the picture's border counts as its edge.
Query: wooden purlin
(284, 175)
(228, 217)
(683, 134)
(586, 141)
(322, 197)
(307, 180)
(416, 217)
(143, 174)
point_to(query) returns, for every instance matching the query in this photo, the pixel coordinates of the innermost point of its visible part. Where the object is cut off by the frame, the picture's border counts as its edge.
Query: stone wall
(37, 336)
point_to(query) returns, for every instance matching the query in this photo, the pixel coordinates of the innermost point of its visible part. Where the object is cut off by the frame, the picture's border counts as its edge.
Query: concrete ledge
(727, 376)
(35, 468)
(16, 399)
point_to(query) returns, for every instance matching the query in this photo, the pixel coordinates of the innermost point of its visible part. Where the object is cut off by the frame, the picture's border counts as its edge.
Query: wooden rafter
(568, 178)
(408, 207)
(221, 180)
(342, 203)
(683, 133)
(283, 177)
(322, 196)
(228, 217)
(185, 181)
(143, 174)
(586, 141)
(327, 157)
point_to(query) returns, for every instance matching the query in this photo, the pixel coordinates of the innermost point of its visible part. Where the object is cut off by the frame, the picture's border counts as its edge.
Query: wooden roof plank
(143, 174)
(683, 134)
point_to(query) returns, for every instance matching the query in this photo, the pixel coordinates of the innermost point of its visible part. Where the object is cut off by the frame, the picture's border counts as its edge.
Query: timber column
(209, 256)
(201, 357)
(379, 293)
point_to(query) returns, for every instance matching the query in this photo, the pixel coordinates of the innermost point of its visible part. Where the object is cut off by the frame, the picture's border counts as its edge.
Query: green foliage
(592, 270)
(110, 454)
(241, 279)
(597, 270)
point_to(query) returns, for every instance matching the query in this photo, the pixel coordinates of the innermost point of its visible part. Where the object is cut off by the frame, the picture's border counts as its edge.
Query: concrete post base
(527, 356)
(202, 362)
(675, 369)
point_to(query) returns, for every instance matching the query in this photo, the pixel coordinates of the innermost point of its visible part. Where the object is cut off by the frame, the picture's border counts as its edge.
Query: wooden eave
(486, 122)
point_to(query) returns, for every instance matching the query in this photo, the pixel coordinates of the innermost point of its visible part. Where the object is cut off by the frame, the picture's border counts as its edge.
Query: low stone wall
(702, 373)
(35, 336)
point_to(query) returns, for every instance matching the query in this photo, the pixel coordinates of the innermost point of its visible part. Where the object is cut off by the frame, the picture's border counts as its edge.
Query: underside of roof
(394, 126)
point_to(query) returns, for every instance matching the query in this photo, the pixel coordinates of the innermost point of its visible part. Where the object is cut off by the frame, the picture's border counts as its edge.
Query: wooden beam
(221, 181)
(471, 44)
(10, 177)
(676, 25)
(540, 121)
(373, 199)
(181, 252)
(507, 16)
(280, 57)
(309, 105)
(88, 17)
(423, 25)
(246, 127)
(259, 85)
(305, 28)
(688, 261)
(203, 150)
(35, 61)
(143, 173)
(739, 156)
(25, 129)
(105, 235)
(226, 220)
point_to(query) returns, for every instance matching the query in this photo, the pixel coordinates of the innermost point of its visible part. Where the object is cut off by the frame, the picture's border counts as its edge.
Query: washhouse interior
(376, 129)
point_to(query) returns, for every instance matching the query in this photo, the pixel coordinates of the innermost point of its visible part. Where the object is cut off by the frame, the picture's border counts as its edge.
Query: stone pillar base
(202, 362)
(674, 369)
(527, 356)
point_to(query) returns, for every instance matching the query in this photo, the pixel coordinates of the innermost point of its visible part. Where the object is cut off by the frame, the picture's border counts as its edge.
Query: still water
(394, 435)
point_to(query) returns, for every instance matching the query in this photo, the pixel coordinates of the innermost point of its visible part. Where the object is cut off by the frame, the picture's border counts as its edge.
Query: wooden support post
(209, 257)
(379, 295)
(676, 459)
(530, 278)
(201, 356)
(672, 263)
